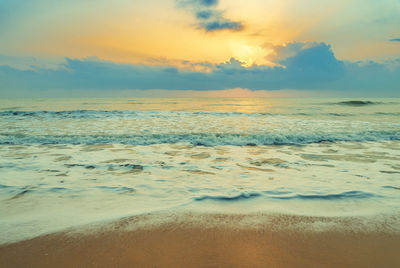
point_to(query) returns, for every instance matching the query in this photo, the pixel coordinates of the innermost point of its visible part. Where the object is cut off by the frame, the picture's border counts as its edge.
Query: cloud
(208, 16)
(206, 3)
(395, 40)
(314, 62)
(216, 25)
(309, 66)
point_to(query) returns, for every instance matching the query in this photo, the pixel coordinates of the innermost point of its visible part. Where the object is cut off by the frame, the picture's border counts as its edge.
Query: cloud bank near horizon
(307, 66)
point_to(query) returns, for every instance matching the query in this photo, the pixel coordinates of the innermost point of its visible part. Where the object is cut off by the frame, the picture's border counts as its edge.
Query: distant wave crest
(357, 103)
(99, 114)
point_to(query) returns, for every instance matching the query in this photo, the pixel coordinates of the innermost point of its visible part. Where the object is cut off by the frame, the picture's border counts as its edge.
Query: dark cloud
(207, 3)
(395, 40)
(314, 63)
(221, 25)
(312, 67)
(205, 14)
(197, 3)
(208, 17)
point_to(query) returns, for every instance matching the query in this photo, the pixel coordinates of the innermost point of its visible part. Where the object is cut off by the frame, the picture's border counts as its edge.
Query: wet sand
(193, 243)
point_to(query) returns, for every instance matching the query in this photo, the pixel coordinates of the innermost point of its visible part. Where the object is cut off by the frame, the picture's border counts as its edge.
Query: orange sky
(160, 32)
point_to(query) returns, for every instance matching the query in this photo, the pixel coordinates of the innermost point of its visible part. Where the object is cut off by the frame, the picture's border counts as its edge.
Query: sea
(70, 162)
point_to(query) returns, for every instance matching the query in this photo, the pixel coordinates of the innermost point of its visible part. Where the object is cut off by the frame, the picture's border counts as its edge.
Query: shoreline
(214, 240)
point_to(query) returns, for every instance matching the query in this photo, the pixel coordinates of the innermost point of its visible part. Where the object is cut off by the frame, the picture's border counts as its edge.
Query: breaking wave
(202, 139)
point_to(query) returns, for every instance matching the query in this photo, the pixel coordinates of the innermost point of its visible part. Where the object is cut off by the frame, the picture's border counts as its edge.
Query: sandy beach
(212, 241)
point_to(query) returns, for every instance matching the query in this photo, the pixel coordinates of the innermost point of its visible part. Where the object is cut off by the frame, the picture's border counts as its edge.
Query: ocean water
(68, 162)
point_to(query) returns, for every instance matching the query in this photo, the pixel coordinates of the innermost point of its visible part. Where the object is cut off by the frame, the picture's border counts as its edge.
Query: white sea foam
(44, 188)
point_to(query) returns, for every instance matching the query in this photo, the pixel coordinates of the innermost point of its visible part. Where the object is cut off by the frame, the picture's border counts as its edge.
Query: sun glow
(247, 54)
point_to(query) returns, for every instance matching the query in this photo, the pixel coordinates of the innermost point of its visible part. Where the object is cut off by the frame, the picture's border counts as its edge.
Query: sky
(348, 46)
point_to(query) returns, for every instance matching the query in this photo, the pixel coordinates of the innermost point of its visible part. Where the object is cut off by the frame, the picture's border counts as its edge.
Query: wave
(10, 108)
(343, 195)
(361, 103)
(239, 197)
(357, 103)
(287, 195)
(2, 186)
(340, 114)
(388, 114)
(121, 189)
(202, 139)
(120, 113)
(69, 114)
(391, 187)
(93, 114)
